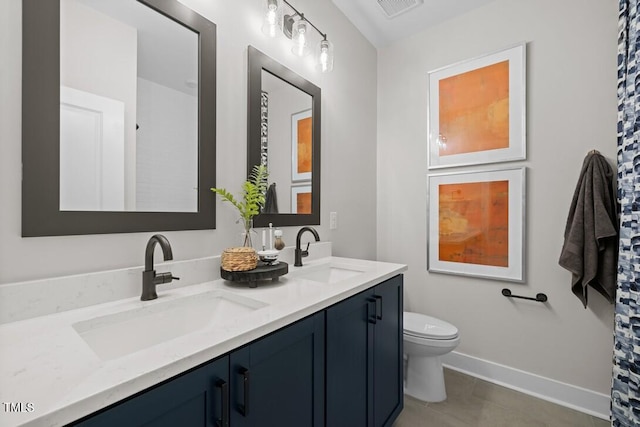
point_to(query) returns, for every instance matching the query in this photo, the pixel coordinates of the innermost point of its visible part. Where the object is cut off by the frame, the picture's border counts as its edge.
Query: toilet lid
(420, 325)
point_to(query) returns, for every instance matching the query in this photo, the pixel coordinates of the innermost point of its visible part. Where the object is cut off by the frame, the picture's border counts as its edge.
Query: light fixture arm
(301, 15)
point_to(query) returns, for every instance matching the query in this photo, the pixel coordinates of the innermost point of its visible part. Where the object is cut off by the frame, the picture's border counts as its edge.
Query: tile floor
(472, 402)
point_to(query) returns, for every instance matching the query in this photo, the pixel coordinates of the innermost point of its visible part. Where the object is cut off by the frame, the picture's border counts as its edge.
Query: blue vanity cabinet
(341, 366)
(279, 380)
(388, 389)
(364, 358)
(196, 398)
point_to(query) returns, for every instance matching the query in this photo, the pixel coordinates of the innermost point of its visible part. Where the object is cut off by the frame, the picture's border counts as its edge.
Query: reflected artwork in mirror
(118, 117)
(286, 142)
(284, 134)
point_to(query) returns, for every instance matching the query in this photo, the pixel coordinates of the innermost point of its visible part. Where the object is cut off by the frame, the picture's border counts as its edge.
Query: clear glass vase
(247, 232)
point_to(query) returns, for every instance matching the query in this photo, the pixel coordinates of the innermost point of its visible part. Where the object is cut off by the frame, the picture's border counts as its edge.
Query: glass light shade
(271, 18)
(299, 38)
(324, 56)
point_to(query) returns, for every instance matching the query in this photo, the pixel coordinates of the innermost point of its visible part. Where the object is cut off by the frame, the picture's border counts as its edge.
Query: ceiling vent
(393, 8)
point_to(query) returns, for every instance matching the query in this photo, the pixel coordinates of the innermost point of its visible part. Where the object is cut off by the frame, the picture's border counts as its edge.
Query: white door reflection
(91, 152)
(125, 51)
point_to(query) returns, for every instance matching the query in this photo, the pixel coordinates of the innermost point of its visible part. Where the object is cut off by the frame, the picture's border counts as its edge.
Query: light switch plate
(333, 220)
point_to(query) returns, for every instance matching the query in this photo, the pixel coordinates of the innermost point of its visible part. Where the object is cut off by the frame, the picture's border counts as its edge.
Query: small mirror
(284, 135)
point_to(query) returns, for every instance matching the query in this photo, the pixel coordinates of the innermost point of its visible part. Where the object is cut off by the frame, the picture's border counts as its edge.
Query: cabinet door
(193, 399)
(349, 387)
(387, 343)
(279, 380)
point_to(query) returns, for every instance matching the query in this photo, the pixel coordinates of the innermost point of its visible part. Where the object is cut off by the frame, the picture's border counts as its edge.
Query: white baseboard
(580, 399)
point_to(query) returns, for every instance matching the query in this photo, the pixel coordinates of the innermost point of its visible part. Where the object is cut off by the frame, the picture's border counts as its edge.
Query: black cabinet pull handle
(224, 401)
(370, 317)
(244, 407)
(378, 298)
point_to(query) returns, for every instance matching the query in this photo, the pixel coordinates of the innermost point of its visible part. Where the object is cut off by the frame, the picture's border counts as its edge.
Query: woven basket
(239, 259)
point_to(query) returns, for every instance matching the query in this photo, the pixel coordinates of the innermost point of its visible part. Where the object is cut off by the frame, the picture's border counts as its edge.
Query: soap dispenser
(279, 243)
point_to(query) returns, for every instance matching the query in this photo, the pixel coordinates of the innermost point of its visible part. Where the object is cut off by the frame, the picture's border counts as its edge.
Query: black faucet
(299, 252)
(149, 277)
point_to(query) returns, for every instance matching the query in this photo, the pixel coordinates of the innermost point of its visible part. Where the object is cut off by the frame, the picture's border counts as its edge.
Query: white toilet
(425, 340)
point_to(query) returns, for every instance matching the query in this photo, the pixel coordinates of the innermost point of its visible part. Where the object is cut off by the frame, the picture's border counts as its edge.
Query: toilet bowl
(425, 340)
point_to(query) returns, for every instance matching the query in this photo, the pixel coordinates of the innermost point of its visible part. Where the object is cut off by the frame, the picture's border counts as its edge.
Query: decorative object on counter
(590, 249)
(270, 236)
(149, 277)
(263, 271)
(269, 256)
(264, 238)
(295, 26)
(238, 259)
(279, 243)
(254, 190)
(477, 110)
(539, 297)
(476, 224)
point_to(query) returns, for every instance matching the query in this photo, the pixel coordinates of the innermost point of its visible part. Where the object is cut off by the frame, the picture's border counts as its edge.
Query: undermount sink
(330, 274)
(126, 332)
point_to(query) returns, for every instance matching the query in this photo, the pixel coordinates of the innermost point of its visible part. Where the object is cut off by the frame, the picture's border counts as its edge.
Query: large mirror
(284, 134)
(118, 117)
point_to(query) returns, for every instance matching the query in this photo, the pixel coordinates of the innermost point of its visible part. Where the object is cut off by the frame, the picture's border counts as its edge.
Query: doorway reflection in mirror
(128, 109)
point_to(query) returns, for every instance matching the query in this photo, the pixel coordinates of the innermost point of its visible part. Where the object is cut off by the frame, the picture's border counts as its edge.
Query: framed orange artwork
(477, 110)
(301, 199)
(301, 146)
(476, 224)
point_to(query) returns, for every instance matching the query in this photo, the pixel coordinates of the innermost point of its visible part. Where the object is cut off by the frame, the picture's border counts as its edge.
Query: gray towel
(590, 250)
(271, 200)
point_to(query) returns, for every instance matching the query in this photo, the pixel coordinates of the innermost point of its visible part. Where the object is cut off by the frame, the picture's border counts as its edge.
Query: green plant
(254, 190)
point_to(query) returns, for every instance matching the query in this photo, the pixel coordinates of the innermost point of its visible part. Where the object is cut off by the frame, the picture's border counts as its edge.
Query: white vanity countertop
(49, 368)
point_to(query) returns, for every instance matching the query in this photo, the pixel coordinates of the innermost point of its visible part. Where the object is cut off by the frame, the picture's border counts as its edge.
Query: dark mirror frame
(41, 215)
(258, 61)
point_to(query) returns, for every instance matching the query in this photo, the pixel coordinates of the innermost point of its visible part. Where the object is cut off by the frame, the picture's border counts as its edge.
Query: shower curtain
(625, 392)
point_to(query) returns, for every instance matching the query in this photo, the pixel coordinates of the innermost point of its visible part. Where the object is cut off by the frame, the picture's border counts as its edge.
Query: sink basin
(330, 274)
(126, 332)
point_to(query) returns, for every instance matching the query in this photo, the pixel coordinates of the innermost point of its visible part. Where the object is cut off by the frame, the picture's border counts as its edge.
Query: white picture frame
(297, 175)
(295, 191)
(467, 105)
(472, 223)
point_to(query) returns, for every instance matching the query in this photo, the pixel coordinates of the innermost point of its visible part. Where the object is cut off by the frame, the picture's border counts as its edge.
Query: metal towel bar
(539, 297)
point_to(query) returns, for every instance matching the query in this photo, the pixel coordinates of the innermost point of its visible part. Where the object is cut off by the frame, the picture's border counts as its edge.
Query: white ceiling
(370, 19)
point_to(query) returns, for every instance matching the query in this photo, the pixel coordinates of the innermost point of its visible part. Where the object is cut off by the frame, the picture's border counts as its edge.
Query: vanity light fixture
(296, 27)
(299, 38)
(325, 56)
(271, 18)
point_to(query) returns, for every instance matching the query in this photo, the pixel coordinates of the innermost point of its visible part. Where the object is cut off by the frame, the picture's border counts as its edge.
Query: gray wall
(348, 130)
(571, 109)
